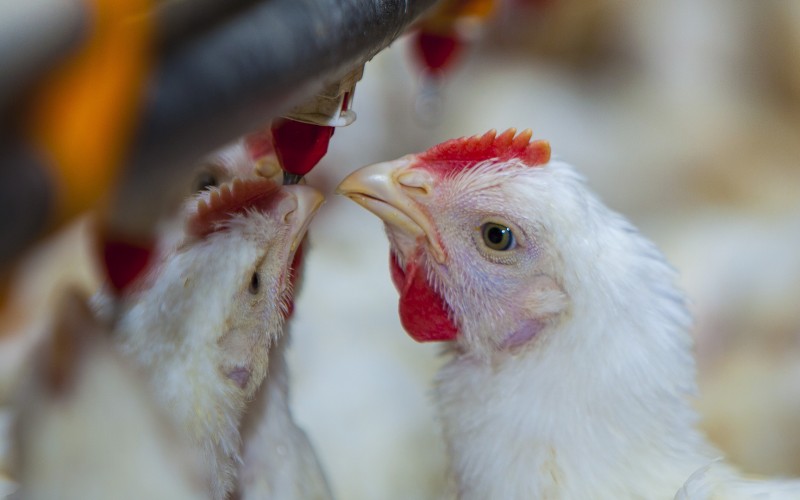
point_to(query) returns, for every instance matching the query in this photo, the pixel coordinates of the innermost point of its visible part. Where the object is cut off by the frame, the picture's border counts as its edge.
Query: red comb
(229, 199)
(458, 154)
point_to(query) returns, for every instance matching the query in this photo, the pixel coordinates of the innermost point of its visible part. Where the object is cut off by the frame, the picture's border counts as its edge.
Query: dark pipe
(236, 77)
(34, 35)
(226, 68)
(26, 200)
(178, 20)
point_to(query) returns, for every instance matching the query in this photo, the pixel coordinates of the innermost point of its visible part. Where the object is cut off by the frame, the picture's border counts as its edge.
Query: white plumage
(87, 426)
(571, 373)
(207, 324)
(201, 331)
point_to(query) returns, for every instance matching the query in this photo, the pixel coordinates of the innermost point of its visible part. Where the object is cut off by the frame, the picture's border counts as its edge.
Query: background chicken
(278, 460)
(571, 372)
(87, 426)
(204, 328)
(203, 322)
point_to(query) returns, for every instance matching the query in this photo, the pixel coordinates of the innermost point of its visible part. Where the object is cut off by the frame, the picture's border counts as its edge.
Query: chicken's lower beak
(308, 202)
(376, 188)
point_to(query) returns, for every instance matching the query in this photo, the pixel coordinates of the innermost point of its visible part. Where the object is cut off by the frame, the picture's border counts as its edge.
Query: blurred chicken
(278, 460)
(205, 323)
(571, 371)
(88, 427)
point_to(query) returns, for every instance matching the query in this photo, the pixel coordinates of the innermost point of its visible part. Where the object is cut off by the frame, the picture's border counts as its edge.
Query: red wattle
(300, 146)
(423, 313)
(124, 261)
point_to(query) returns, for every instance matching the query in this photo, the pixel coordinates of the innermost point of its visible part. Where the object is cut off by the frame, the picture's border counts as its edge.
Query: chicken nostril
(287, 206)
(416, 181)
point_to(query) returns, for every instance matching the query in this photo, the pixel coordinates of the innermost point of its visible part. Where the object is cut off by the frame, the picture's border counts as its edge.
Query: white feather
(597, 405)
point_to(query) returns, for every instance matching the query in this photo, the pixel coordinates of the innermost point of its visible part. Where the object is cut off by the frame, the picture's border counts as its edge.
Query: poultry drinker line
(437, 46)
(301, 138)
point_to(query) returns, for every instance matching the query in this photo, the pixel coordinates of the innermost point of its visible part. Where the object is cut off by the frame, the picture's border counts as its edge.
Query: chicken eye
(498, 237)
(255, 284)
(205, 181)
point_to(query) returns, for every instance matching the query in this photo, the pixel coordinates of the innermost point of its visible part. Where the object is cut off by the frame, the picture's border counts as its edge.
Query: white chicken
(87, 426)
(278, 461)
(571, 372)
(206, 323)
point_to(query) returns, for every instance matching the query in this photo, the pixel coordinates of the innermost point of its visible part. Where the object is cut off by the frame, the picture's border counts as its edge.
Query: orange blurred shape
(83, 114)
(448, 12)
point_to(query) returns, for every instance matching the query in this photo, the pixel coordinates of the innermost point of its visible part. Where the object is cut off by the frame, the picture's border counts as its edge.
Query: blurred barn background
(683, 115)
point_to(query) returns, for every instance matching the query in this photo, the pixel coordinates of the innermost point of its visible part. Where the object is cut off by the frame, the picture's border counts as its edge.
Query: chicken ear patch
(463, 153)
(423, 313)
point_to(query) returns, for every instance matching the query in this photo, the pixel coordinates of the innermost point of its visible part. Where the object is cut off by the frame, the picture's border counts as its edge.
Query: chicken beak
(308, 202)
(388, 190)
